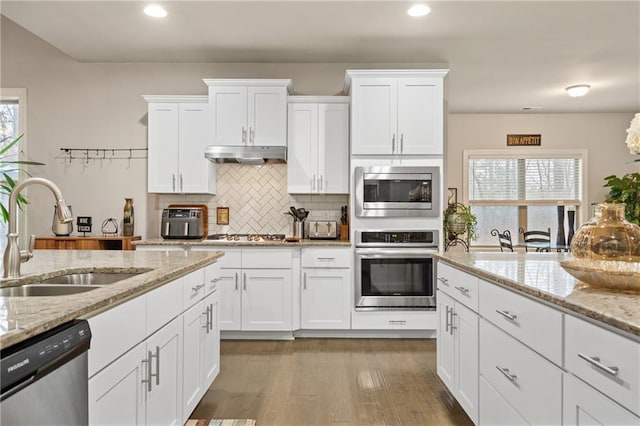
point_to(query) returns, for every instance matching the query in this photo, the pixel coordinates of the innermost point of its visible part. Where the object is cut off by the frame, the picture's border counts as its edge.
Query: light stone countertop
(219, 243)
(540, 275)
(24, 317)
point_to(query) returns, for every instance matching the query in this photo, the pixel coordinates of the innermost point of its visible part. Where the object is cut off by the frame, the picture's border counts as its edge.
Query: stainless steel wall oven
(397, 191)
(394, 270)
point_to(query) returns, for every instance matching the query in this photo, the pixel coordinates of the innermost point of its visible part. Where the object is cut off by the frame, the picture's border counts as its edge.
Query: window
(12, 109)
(511, 190)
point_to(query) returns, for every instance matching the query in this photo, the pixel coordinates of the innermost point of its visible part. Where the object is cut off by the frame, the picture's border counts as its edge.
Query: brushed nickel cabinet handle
(173, 178)
(453, 327)
(443, 280)
(507, 374)
(147, 361)
(181, 186)
(393, 143)
(157, 357)
(462, 290)
(446, 321)
(244, 135)
(401, 142)
(397, 322)
(304, 281)
(236, 281)
(206, 314)
(508, 315)
(595, 361)
(244, 281)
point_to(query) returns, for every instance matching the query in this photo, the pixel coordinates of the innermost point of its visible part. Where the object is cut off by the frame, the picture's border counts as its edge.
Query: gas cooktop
(246, 237)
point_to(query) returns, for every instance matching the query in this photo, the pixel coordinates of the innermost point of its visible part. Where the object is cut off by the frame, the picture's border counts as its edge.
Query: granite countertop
(24, 317)
(540, 275)
(219, 243)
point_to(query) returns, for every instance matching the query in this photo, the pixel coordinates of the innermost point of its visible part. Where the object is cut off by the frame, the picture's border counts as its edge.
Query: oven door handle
(393, 252)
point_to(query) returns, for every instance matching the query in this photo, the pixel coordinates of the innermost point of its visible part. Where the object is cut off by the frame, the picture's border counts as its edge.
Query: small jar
(607, 236)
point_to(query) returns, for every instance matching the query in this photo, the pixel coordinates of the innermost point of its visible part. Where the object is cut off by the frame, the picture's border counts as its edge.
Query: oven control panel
(424, 238)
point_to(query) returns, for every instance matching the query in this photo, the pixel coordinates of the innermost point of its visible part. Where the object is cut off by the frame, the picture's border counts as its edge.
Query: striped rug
(220, 422)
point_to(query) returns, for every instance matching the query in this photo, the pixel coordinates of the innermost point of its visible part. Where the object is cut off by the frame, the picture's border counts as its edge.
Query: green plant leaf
(7, 147)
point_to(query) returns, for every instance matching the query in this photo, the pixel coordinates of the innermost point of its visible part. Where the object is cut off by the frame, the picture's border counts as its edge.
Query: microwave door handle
(186, 228)
(167, 225)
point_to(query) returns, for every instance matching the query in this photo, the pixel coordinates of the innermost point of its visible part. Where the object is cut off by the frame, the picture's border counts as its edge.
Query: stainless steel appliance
(397, 191)
(44, 379)
(244, 154)
(182, 223)
(323, 230)
(394, 269)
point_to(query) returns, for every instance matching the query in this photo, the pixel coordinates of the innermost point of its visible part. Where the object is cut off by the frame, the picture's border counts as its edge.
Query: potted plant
(625, 189)
(459, 220)
(7, 166)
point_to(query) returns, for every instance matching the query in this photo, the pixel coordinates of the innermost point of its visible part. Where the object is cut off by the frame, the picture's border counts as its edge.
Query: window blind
(524, 179)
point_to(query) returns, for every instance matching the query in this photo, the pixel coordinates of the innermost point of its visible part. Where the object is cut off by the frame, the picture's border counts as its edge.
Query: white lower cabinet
(143, 386)
(457, 352)
(325, 295)
(494, 410)
(153, 357)
(584, 406)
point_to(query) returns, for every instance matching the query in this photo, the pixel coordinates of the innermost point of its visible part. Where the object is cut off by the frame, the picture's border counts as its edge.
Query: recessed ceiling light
(155, 11)
(578, 90)
(418, 10)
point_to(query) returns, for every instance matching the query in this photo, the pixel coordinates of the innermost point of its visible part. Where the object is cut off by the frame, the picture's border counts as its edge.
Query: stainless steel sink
(90, 278)
(45, 290)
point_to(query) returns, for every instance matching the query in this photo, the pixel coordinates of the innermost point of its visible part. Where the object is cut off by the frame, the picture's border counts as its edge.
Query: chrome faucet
(13, 256)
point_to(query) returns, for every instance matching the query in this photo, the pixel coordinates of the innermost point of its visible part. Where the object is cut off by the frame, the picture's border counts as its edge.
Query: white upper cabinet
(318, 139)
(248, 112)
(178, 136)
(397, 112)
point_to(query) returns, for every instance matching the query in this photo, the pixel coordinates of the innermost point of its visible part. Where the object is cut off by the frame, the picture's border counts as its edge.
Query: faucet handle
(26, 256)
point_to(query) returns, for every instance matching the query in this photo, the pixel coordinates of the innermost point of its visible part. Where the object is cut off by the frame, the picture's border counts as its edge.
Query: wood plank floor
(331, 382)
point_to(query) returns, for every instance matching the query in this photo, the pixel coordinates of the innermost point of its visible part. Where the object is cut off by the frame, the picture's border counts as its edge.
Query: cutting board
(205, 214)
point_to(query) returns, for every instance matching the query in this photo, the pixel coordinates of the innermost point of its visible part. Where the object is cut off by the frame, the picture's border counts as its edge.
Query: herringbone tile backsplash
(257, 199)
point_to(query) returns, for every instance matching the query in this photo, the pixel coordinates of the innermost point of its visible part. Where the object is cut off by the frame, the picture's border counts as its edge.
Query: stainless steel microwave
(397, 191)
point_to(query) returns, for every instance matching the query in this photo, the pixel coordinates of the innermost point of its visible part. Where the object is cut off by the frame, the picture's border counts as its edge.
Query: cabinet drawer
(425, 320)
(193, 288)
(164, 304)
(525, 379)
(326, 258)
(461, 286)
(116, 331)
(591, 351)
(534, 324)
(494, 410)
(266, 258)
(232, 256)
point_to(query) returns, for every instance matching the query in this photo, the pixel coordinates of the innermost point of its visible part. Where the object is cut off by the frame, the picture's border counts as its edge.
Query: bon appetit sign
(524, 140)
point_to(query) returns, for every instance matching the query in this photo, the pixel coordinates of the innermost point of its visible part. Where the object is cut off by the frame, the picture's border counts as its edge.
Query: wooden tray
(205, 214)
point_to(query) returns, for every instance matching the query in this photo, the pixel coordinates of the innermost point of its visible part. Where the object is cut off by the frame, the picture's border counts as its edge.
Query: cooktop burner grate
(246, 237)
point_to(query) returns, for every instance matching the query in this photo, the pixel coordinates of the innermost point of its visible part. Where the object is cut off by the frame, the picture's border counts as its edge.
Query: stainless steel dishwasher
(44, 379)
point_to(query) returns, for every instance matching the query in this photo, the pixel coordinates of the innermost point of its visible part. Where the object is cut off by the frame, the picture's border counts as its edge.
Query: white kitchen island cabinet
(177, 138)
(397, 112)
(158, 370)
(248, 112)
(540, 360)
(318, 145)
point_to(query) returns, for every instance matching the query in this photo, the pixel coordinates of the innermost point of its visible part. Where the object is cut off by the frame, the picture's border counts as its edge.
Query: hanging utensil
(294, 212)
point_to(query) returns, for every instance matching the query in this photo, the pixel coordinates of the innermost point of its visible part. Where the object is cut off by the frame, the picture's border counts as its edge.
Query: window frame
(524, 153)
(19, 95)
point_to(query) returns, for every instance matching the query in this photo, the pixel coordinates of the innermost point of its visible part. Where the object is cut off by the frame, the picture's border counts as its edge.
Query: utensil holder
(344, 232)
(298, 229)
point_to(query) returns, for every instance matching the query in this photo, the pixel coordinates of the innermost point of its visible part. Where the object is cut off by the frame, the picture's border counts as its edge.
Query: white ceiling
(503, 55)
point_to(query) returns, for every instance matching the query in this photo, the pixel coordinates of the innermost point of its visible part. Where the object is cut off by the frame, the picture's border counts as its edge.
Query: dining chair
(504, 239)
(540, 240)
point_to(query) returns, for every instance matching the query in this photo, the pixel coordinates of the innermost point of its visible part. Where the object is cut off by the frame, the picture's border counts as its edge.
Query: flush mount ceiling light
(418, 10)
(155, 11)
(578, 90)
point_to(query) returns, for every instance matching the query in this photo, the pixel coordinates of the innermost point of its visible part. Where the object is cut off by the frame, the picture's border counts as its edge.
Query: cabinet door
(117, 394)
(266, 300)
(267, 116)
(466, 359)
(230, 299)
(164, 401)
(584, 406)
(325, 300)
(420, 116)
(196, 172)
(333, 148)
(228, 106)
(163, 147)
(494, 410)
(211, 341)
(194, 326)
(445, 349)
(302, 154)
(374, 116)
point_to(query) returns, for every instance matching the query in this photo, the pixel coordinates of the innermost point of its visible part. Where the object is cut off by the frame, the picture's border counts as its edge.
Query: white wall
(100, 105)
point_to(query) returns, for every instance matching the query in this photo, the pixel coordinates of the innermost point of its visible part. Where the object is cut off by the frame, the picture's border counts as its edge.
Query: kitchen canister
(128, 218)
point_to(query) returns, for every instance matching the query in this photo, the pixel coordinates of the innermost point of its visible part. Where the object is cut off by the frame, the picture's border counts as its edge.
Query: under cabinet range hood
(246, 154)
